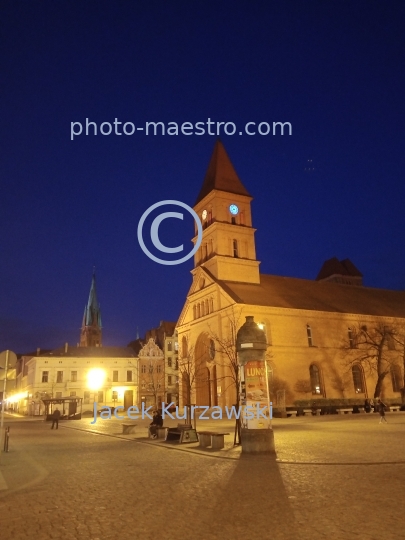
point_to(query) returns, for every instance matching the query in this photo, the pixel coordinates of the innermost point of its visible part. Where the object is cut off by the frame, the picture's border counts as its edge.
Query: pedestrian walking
(55, 418)
(381, 410)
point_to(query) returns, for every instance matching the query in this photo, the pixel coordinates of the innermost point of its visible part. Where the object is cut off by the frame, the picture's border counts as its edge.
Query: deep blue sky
(335, 70)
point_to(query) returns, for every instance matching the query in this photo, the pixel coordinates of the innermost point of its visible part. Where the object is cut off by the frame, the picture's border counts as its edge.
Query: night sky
(334, 70)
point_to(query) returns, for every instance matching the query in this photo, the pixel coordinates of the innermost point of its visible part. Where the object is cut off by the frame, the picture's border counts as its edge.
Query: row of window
(352, 339)
(359, 384)
(203, 308)
(73, 376)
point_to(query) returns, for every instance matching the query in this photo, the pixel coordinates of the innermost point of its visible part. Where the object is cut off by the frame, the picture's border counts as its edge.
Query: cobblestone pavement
(72, 484)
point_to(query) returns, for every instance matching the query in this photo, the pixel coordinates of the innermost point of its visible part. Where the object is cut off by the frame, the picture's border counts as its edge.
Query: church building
(311, 326)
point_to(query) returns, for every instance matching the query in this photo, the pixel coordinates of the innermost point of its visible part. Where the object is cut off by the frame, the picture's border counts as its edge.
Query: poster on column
(256, 401)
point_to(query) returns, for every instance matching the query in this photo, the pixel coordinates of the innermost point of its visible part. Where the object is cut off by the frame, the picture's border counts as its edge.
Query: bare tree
(303, 386)
(375, 349)
(338, 382)
(225, 355)
(187, 373)
(152, 369)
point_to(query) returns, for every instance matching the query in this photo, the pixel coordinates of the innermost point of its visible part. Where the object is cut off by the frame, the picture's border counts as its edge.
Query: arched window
(202, 309)
(315, 378)
(198, 311)
(212, 305)
(207, 307)
(358, 379)
(195, 311)
(396, 378)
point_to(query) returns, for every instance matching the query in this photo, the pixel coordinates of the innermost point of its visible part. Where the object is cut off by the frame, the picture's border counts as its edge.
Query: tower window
(309, 336)
(235, 248)
(242, 218)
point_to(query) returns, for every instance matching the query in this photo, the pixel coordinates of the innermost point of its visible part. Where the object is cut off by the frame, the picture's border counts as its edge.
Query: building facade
(67, 372)
(310, 325)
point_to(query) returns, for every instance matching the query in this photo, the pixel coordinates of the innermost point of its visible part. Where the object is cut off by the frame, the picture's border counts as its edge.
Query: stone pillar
(257, 435)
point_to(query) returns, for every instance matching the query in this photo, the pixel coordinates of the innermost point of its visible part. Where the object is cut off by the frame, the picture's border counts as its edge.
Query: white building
(107, 375)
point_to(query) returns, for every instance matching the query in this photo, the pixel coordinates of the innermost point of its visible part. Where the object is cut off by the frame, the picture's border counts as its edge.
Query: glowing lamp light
(261, 326)
(95, 378)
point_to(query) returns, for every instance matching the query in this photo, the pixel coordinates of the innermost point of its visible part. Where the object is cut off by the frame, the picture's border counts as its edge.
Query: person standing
(381, 410)
(55, 418)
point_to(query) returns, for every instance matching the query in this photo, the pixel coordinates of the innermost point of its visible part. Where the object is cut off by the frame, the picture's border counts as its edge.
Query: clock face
(204, 214)
(233, 209)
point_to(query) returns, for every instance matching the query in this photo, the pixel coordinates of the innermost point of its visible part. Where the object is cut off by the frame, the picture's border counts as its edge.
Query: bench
(183, 433)
(127, 428)
(214, 439)
(314, 412)
(291, 413)
(394, 408)
(344, 411)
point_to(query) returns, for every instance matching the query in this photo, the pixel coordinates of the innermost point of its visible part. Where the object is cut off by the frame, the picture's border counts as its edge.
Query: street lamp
(95, 380)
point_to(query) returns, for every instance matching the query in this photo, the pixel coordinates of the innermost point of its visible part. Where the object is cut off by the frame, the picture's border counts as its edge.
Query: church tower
(228, 249)
(90, 335)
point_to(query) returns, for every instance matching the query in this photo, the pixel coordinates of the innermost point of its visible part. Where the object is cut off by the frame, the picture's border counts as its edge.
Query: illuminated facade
(306, 322)
(107, 375)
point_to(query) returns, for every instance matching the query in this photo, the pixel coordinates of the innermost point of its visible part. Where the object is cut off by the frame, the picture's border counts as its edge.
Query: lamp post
(257, 433)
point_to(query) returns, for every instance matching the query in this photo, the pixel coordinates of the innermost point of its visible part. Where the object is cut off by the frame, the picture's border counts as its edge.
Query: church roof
(221, 175)
(294, 293)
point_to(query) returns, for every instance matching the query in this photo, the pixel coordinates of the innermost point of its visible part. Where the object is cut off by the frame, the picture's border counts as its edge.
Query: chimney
(66, 348)
(38, 351)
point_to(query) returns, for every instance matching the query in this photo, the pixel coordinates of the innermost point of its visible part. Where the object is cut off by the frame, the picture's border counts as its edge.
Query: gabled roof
(221, 175)
(294, 293)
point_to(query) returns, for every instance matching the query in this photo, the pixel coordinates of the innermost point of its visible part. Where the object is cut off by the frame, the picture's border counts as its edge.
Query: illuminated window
(45, 375)
(358, 379)
(315, 378)
(309, 336)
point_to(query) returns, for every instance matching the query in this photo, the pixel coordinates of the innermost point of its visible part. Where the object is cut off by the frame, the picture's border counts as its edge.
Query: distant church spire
(90, 335)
